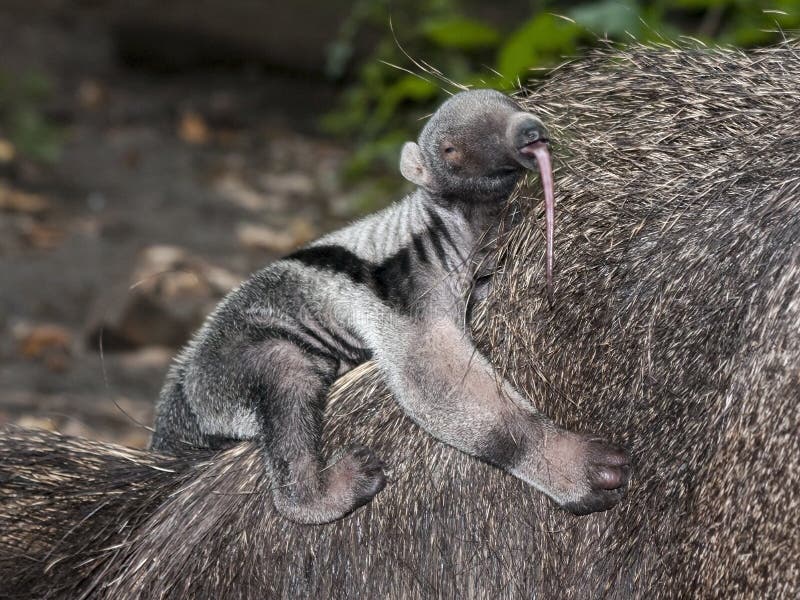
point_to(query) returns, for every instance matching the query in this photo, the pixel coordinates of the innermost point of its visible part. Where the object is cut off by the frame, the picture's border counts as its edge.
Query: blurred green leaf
(698, 4)
(385, 151)
(407, 88)
(540, 41)
(339, 54)
(413, 88)
(460, 33)
(789, 16)
(34, 87)
(22, 120)
(611, 17)
(33, 136)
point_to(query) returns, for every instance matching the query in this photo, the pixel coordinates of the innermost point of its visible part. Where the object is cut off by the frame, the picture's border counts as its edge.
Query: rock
(91, 94)
(151, 358)
(288, 184)
(237, 191)
(46, 342)
(263, 237)
(41, 236)
(7, 151)
(167, 296)
(192, 128)
(13, 200)
(36, 422)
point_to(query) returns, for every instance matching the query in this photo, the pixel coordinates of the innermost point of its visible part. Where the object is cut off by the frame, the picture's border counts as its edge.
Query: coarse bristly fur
(674, 329)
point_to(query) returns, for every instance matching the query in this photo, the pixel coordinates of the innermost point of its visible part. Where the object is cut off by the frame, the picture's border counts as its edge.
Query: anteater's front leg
(445, 385)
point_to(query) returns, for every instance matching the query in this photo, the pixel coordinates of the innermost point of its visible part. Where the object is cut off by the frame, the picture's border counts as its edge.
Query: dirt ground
(222, 167)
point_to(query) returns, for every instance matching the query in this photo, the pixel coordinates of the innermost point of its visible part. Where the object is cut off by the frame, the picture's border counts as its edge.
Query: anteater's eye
(449, 150)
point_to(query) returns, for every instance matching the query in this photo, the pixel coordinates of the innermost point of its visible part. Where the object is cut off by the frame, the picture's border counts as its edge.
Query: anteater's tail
(69, 507)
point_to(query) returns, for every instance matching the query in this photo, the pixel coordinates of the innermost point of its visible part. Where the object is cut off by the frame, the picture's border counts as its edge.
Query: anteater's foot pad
(359, 475)
(608, 471)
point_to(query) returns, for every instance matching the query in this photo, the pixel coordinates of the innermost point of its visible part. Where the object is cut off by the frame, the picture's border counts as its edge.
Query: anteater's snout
(526, 130)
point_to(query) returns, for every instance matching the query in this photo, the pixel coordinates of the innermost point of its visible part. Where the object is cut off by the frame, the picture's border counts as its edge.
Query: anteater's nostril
(532, 134)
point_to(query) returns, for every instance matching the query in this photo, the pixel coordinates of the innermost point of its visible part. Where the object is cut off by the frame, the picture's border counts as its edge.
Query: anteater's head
(475, 148)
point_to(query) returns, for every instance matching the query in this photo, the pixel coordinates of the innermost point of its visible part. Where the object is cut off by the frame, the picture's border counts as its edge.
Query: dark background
(152, 153)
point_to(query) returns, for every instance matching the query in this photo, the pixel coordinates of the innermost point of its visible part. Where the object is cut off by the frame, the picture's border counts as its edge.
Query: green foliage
(384, 104)
(460, 33)
(614, 18)
(22, 122)
(541, 41)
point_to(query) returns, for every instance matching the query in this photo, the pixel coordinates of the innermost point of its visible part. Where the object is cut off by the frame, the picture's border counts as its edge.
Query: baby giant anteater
(392, 287)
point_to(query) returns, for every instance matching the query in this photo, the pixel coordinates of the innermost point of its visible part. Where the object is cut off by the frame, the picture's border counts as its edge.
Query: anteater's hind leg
(292, 386)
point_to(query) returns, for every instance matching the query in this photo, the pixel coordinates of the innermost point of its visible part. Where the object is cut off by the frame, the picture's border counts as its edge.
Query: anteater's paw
(608, 470)
(362, 471)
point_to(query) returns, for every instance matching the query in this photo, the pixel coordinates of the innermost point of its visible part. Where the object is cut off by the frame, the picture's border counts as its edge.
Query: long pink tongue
(546, 173)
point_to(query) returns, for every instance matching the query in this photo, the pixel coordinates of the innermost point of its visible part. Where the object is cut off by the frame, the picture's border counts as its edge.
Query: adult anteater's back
(678, 318)
(675, 328)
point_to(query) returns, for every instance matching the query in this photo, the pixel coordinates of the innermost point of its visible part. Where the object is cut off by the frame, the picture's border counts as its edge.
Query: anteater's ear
(412, 167)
